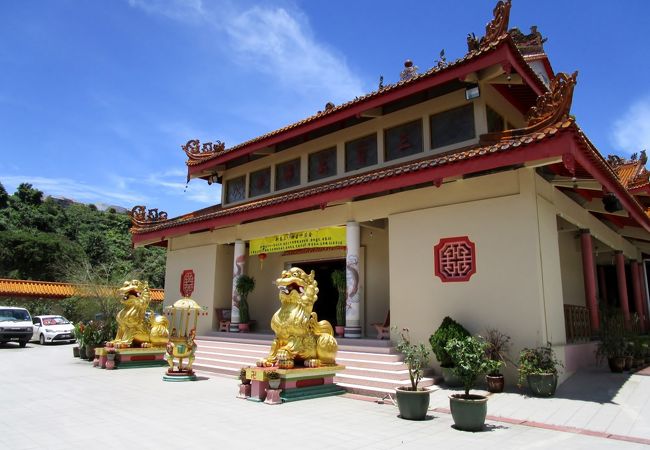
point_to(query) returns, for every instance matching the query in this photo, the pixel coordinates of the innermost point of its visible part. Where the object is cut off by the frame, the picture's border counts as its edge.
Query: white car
(52, 329)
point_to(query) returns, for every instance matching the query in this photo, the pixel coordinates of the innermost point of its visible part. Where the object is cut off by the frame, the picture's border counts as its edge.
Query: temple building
(465, 190)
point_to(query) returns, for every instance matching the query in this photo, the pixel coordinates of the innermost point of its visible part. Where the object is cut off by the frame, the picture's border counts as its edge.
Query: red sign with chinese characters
(187, 283)
(454, 259)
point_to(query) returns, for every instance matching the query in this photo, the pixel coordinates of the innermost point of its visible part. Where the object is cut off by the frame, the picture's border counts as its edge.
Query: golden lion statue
(299, 336)
(132, 325)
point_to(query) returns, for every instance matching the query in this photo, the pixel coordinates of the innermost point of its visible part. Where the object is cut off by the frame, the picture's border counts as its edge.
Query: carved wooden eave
(551, 108)
(141, 218)
(197, 153)
(495, 29)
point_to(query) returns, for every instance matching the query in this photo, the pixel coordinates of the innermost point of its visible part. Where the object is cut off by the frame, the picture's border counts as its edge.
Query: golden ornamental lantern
(183, 318)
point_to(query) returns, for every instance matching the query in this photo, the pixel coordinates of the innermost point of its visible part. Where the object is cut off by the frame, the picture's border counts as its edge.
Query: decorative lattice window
(361, 153)
(259, 182)
(187, 283)
(455, 259)
(235, 189)
(322, 164)
(452, 126)
(287, 174)
(403, 140)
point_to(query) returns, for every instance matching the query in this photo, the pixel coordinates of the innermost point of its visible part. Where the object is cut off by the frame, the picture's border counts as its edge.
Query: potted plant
(274, 379)
(78, 334)
(245, 285)
(242, 376)
(496, 350)
(449, 329)
(539, 368)
(412, 400)
(469, 357)
(339, 281)
(612, 344)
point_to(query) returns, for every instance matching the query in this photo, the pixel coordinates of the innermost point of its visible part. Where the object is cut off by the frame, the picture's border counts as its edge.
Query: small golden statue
(133, 328)
(299, 336)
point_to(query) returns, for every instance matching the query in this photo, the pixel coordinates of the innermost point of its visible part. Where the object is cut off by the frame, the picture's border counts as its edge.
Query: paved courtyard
(53, 401)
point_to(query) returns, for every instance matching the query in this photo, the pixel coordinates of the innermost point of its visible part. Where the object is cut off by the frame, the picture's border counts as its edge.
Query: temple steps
(373, 367)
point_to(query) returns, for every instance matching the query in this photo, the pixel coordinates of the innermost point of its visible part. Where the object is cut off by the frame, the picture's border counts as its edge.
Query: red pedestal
(273, 397)
(244, 391)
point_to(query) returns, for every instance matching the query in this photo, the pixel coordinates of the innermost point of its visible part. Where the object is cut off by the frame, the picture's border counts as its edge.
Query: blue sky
(97, 97)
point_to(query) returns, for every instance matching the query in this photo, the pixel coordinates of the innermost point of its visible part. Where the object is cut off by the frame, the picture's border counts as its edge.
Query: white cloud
(631, 132)
(166, 190)
(185, 10)
(271, 40)
(65, 187)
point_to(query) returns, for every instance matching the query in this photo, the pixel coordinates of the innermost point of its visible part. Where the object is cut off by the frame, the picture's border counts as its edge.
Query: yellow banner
(322, 237)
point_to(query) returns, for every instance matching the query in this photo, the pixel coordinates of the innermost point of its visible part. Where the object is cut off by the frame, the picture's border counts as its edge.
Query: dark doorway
(325, 306)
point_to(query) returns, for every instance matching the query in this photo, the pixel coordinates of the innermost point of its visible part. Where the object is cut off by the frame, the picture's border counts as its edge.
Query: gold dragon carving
(299, 335)
(132, 326)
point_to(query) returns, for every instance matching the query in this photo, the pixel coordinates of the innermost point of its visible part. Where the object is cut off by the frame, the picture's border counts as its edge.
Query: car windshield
(58, 320)
(13, 315)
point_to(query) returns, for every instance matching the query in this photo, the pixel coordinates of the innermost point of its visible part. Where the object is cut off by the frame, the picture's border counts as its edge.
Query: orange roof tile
(55, 290)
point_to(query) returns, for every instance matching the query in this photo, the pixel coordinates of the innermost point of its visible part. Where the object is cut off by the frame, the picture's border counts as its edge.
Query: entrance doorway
(325, 306)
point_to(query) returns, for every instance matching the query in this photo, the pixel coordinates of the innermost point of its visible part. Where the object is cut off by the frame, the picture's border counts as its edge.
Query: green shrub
(416, 358)
(449, 329)
(469, 359)
(536, 361)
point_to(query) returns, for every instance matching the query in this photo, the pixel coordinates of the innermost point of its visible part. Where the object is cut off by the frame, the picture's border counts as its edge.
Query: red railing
(577, 324)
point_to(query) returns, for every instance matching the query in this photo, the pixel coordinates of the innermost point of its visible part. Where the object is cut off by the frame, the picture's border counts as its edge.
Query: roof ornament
(196, 152)
(554, 105)
(496, 28)
(409, 71)
(442, 62)
(528, 44)
(381, 82)
(140, 217)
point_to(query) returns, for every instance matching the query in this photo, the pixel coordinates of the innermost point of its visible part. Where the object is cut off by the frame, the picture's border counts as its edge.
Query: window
(495, 120)
(287, 174)
(259, 182)
(235, 189)
(361, 153)
(322, 164)
(403, 140)
(453, 126)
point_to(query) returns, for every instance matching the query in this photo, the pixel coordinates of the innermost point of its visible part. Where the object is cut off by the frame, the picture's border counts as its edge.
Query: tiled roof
(49, 289)
(380, 174)
(474, 54)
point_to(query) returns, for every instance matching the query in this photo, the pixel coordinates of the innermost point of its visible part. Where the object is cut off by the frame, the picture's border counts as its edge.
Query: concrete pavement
(51, 400)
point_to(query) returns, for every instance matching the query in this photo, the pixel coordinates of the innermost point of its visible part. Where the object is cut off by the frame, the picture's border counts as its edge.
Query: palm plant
(244, 286)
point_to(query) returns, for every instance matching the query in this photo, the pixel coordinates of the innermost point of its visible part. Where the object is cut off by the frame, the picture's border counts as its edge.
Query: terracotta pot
(412, 405)
(75, 351)
(244, 328)
(82, 352)
(495, 383)
(616, 364)
(340, 330)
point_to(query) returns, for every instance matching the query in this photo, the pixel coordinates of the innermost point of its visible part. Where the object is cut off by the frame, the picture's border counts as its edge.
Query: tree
(4, 197)
(28, 195)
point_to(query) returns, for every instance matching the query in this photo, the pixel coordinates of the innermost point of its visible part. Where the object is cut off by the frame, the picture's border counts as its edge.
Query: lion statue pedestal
(304, 349)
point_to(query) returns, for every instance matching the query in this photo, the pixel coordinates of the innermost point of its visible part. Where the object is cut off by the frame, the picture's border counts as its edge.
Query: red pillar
(588, 275)
(622, 286)
(644, 297)
(602, 285)
(636, 289)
